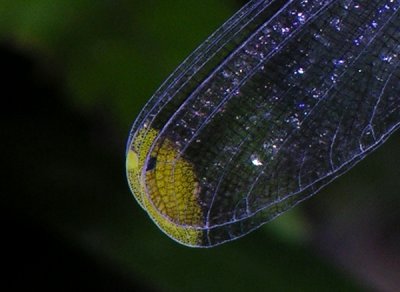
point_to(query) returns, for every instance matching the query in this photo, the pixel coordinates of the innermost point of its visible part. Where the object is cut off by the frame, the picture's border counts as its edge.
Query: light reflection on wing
(282, 99)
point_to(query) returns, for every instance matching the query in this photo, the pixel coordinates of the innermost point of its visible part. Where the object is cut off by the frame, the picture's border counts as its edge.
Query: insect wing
(284, 98)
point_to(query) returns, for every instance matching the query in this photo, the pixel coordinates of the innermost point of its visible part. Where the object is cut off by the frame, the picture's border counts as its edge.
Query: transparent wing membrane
(281, 100)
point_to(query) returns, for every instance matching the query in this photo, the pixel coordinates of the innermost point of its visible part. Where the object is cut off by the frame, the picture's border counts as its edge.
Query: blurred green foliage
(114, 54)
(110, 56)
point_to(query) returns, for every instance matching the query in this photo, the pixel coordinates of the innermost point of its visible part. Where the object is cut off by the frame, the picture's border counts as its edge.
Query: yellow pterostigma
(166, 187)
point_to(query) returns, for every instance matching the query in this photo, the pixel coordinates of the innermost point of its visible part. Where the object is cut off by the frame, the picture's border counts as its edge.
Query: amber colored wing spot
(169, 190)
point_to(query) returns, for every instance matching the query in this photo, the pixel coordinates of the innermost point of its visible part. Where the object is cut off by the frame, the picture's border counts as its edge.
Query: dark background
(75, 75)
